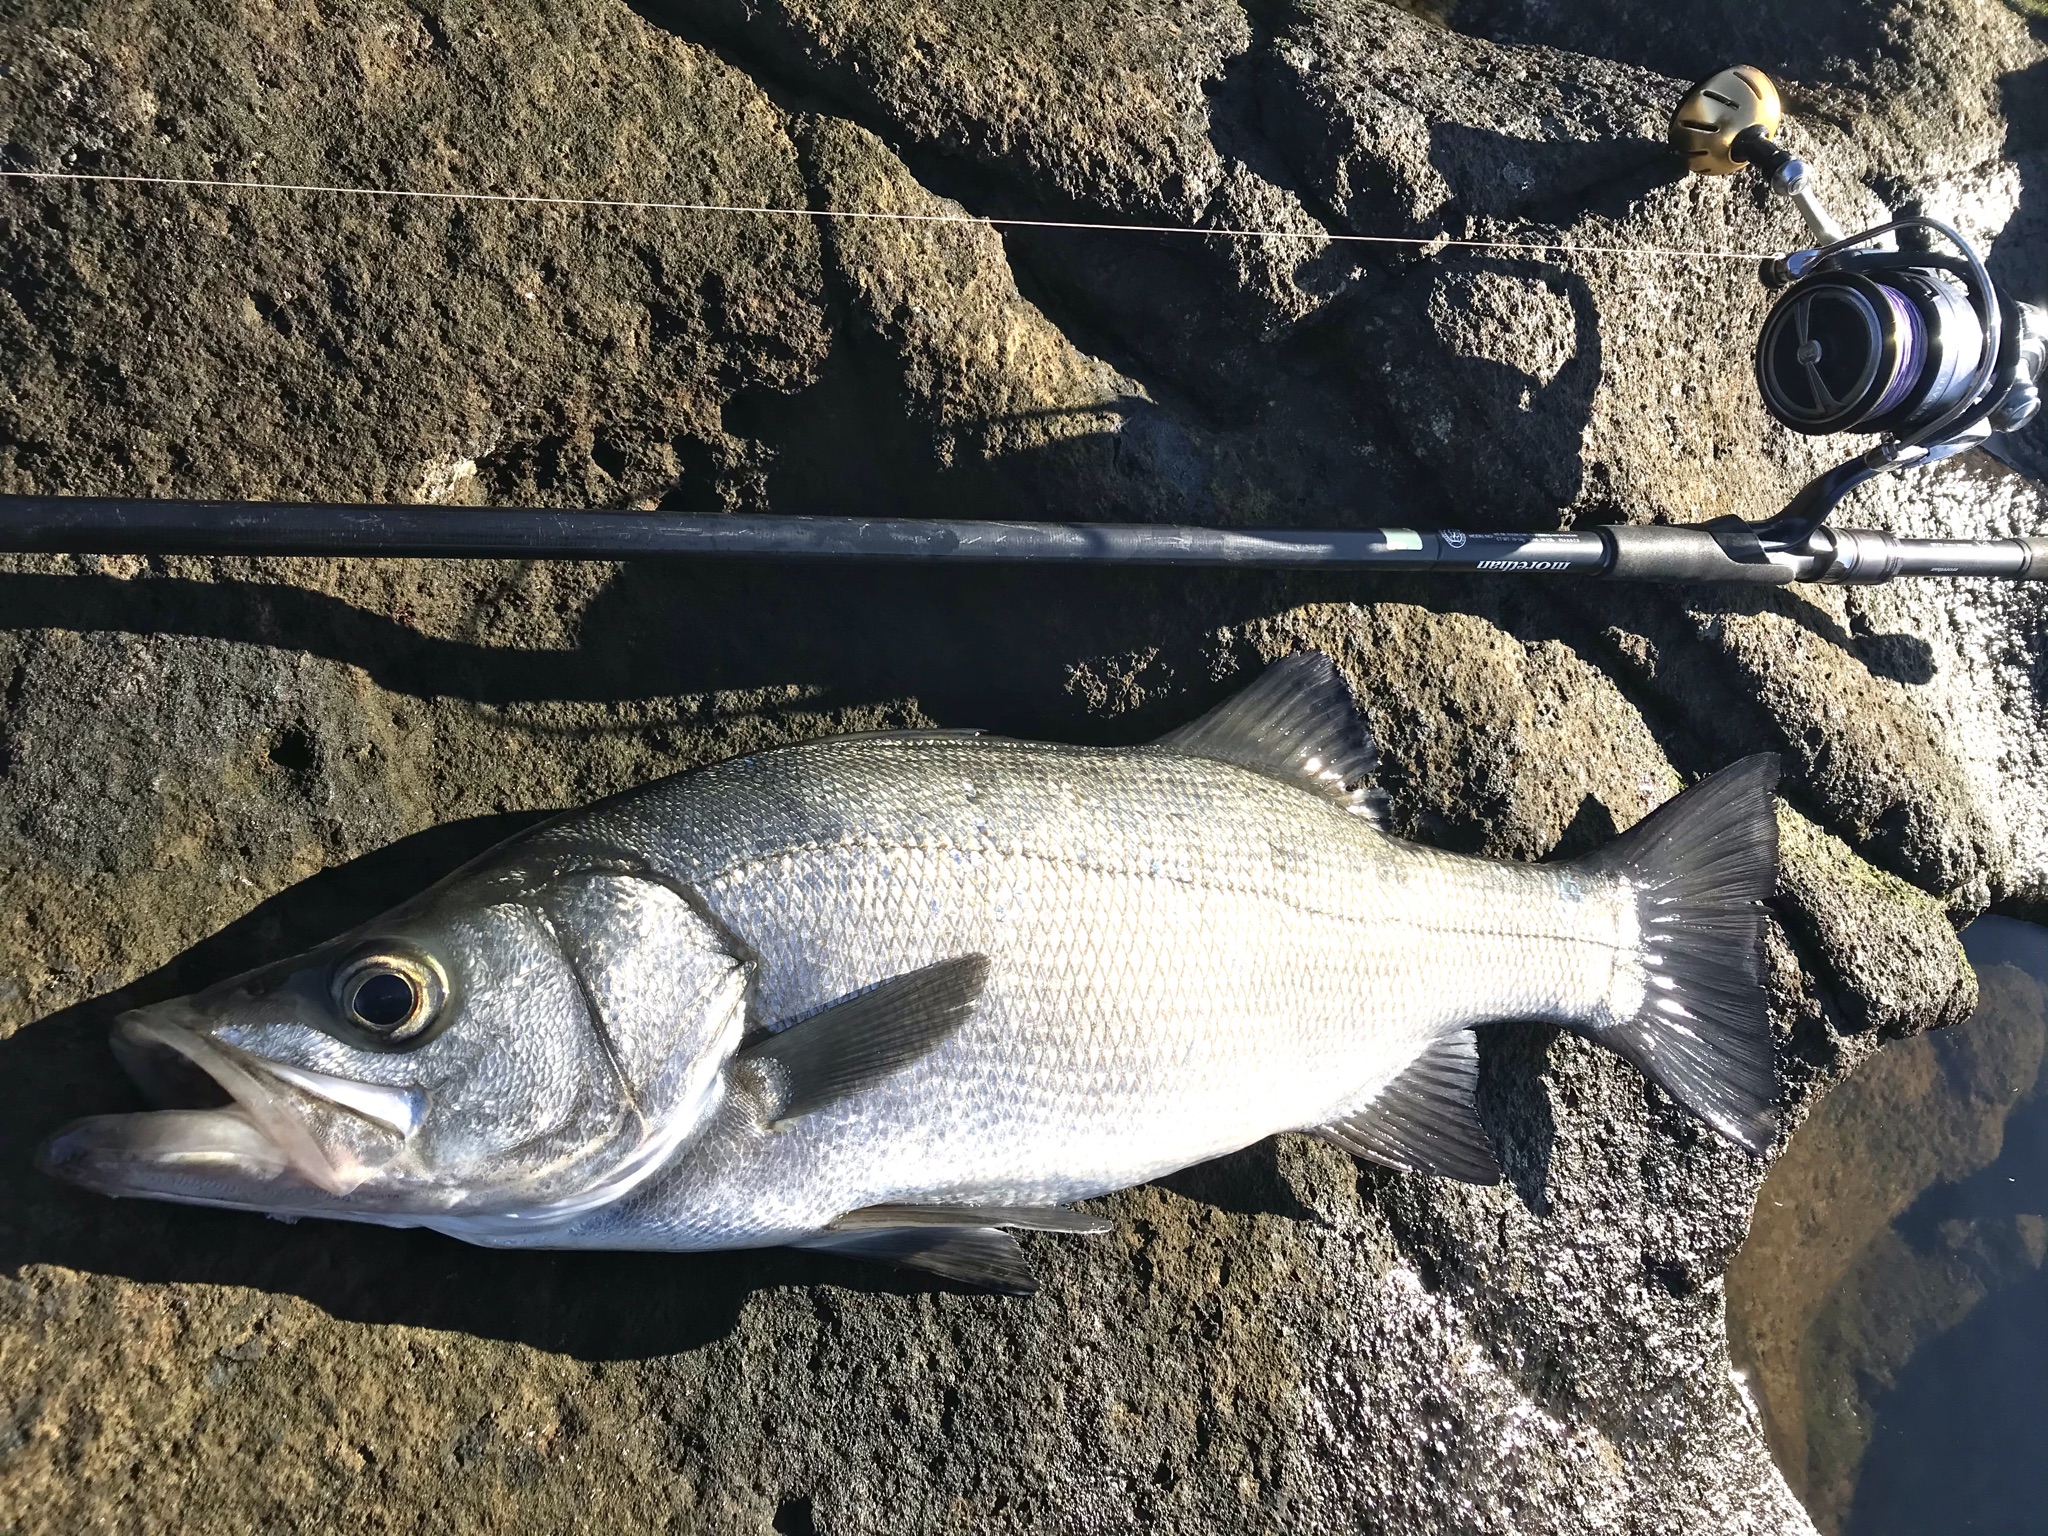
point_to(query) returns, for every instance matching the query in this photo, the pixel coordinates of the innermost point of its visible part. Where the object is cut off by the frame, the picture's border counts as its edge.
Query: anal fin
(1426, 1120)
(960, 1242)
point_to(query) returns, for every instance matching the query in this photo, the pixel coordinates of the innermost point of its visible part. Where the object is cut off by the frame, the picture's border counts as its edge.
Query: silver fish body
(1186, 956)
(892, 993)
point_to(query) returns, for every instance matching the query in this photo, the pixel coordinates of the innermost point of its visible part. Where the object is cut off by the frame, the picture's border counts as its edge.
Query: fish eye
(392, 997)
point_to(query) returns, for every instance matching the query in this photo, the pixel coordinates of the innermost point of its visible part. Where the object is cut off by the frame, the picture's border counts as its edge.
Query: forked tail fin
(1701, 867)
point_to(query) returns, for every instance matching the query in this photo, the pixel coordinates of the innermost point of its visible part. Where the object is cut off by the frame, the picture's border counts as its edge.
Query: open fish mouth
(231, 1128)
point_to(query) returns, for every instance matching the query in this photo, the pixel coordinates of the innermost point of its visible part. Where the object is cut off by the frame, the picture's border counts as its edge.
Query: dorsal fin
(1297, 723)
(1425, 1120)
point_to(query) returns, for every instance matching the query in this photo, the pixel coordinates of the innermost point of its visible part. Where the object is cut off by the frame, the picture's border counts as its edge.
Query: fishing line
(628, 205)
(1912, 343)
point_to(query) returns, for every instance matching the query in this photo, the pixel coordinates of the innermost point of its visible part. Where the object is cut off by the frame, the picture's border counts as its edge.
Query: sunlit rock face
(206, 762)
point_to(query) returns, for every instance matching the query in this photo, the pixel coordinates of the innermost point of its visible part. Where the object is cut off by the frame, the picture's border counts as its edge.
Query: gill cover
(667, 1004)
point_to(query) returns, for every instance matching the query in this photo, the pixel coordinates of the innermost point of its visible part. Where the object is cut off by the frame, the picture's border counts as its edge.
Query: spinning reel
(1912, 343)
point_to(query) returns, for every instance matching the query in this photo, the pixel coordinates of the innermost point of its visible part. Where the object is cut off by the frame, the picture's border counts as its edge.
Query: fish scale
(1200, 955)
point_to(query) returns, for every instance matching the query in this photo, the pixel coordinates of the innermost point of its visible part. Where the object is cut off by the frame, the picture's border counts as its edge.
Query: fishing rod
(1912, 344)
(1725, 551)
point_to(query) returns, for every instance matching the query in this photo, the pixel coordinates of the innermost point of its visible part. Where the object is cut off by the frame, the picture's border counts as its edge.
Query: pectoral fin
(862, 1039)
(1426, 1120)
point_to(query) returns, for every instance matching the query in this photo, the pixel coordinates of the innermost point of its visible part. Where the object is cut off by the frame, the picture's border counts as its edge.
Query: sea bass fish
(895, 995)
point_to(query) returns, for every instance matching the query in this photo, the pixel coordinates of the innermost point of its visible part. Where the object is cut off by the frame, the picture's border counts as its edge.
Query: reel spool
(1910, 343)
(1850, 352)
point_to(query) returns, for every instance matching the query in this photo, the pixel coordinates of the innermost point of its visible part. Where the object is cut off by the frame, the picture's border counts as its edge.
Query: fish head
(517, 1047)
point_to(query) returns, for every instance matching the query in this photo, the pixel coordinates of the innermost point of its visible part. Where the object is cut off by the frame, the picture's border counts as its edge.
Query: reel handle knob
(1721, 108)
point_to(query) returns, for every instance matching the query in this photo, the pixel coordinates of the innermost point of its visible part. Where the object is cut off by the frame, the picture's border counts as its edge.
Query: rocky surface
(204, 761)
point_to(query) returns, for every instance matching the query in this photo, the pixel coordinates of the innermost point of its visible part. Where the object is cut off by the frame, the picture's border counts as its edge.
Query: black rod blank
(144, 526)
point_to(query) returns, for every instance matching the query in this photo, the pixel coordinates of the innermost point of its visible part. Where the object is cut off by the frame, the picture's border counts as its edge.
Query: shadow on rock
(960, 638)
(1502, 176)
(1247, 1183)
(1514, 1106)
(1490, 367)
(975, 645)
(1797, 42)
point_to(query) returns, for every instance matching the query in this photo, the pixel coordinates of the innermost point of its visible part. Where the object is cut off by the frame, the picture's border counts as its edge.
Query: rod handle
(1668, 553)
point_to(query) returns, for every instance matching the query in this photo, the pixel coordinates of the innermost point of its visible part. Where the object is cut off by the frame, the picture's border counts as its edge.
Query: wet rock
(1855, 1262)
(205, 762)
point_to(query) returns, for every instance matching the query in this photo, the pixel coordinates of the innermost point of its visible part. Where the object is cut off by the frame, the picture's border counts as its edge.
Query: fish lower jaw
(220, 1158)
(262, 1105)
(200, 1156)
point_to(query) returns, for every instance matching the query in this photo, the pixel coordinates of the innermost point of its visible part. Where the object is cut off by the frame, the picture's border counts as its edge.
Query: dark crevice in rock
(982, 191)
(1140, 308)
(1714, 694)
(10, 703)
(1612, 194)
(2022, 908)
(1237, 114)
(1247, 1183)
(1514, 1106)
(1679, 718)
(793, 1517)
(294, 750)
(1817, 40)
(1575, 618)
(1818, 1037)
(1224, 381)
(846, 441)
(1040, 268)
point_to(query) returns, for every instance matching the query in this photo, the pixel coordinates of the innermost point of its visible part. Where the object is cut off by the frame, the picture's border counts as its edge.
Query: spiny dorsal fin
(1425, 1120)
(1297, 723)
(861, 1039)
(1035, 1218)
(980, 1256)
